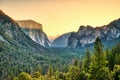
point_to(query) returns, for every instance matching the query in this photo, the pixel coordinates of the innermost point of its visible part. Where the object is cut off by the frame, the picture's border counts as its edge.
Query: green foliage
(100, 66)
(57, 73)
(113, 56)
(36, 75)
(98, 47)
(50, 72)
(87, 60)
(73, 72)
(83, 76)
(76, 62)
(99, 60)
(24, 76)
(95, 67)
(14, 60)
(103, 74)
(116, 72)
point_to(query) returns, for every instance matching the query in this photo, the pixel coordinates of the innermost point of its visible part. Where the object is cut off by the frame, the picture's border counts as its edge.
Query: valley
(27, 54)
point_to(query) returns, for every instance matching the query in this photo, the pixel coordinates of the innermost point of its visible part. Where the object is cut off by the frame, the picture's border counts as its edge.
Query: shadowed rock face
(11, 34)
(34, 31)
(86, 35)
(61, 41)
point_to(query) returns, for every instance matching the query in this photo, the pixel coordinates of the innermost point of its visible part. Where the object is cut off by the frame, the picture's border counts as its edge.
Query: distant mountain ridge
(86, 35)
(61, 41)
(34, 31)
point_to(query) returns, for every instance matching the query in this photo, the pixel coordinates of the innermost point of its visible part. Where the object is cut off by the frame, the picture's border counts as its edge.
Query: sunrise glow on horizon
(62, 16)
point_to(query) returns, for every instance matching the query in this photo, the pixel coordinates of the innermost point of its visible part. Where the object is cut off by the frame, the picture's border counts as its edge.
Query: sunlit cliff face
(30, 24)
(61, 16)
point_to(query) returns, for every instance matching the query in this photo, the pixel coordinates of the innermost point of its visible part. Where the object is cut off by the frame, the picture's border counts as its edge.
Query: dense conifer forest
(96, 65)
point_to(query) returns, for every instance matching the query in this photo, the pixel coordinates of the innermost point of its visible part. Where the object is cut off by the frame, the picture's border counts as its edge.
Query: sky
(61, 16)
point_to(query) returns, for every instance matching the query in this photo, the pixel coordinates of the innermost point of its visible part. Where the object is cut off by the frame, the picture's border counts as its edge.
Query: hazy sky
(61, 16)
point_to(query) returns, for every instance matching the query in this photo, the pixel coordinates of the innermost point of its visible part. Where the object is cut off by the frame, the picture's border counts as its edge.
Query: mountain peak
(1, 12)
(84, 28)
(13, 35)
(113, 24)
(5, 18)
(29, 24)
(34, 31)
(88, 26)
(86, 35)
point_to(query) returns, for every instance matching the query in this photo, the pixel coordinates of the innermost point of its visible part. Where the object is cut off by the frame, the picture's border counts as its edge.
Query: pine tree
(103, 74)
(57, 73)
(99, 61)
(114, 56)
(50, 72)
(24, 76)
(76, 63)
(83, 76)
(36, 74)
(87, 61)
(73, 72)
(116, 72)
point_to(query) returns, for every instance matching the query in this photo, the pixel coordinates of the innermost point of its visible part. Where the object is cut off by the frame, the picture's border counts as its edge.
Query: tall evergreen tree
(114, 56)
(74, 71)
(76, 62)
(24, 76)
(116, 72)
(99, 61)
(36, 74)
(87, 60)
(50, 72)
